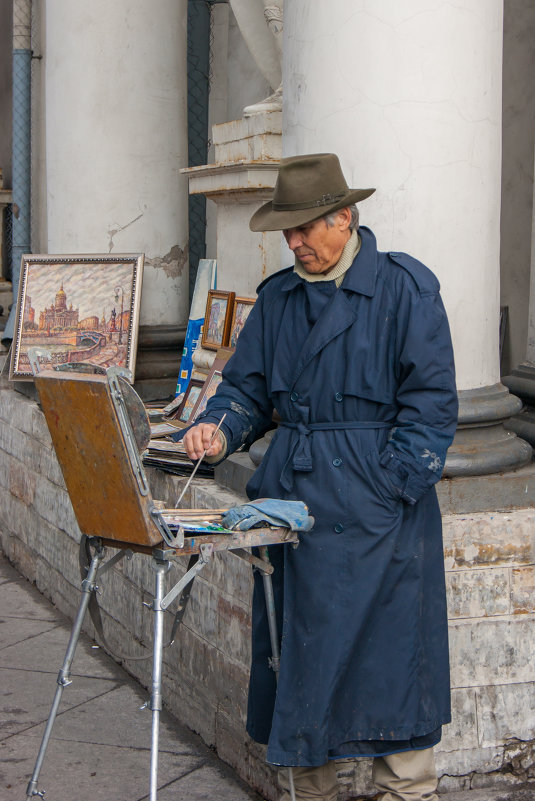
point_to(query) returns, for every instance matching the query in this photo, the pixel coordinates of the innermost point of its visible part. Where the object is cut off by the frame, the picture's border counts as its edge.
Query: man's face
(317, 245)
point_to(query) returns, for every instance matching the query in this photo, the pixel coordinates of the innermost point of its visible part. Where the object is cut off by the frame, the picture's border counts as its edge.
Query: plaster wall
(490, 564)
(409, 95)
(235, 82)
(517, 174)
(245, 82)
(217, 104)
(116, 140)
(236, 254)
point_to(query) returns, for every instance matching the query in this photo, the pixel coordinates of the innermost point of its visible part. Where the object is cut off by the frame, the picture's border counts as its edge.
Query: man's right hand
(198, 439)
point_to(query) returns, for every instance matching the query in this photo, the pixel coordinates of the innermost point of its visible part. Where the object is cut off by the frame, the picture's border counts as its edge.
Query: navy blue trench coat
(363, 379)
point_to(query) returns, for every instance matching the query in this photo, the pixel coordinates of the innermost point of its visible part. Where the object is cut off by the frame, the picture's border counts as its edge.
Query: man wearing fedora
(351, 347)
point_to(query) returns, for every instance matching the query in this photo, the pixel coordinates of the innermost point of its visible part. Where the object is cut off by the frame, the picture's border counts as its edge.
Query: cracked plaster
(172, 263)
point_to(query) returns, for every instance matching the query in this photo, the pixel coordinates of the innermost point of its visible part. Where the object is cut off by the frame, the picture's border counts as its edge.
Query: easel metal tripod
(161, 562)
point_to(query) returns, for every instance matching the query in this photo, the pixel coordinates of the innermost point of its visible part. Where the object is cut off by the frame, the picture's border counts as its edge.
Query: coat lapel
(336, 317)
(339, 313)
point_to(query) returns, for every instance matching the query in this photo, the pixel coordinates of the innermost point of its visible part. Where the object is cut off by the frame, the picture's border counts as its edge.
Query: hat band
(324, 200)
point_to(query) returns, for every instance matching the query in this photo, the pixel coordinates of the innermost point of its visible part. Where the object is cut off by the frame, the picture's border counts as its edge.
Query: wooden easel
(98, 427)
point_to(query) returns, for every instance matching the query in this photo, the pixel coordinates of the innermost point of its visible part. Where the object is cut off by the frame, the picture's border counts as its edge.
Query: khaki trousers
(407, 776)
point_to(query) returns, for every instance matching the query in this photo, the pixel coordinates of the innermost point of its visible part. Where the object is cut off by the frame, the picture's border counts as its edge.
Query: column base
(484, 442)
(462, 495)
(482, 445)
(522, 383)
(159, 351)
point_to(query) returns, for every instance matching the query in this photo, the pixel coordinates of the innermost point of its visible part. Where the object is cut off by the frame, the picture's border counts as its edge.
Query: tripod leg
(161, 567)
(275, 650)
(63, 680)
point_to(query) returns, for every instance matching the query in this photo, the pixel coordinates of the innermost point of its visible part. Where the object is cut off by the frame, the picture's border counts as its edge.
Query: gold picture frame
(217, 319)
(240, 312)
(184, 413)
(212, 381)
(79, 308)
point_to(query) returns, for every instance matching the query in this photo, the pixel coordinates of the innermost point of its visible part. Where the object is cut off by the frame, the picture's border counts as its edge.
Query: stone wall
(490, 560)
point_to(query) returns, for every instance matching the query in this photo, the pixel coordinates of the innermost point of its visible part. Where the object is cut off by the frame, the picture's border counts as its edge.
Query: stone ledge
(480, 540)
(245, 127)
(236, 179)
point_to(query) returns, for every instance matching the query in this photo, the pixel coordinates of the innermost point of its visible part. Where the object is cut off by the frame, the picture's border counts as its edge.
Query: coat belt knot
(300, 454)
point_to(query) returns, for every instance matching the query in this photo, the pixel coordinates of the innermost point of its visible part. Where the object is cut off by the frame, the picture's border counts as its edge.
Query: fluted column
(116, 139)
(409, 96)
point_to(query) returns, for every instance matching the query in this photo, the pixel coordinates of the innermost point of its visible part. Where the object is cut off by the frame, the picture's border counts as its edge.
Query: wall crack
(113, 231)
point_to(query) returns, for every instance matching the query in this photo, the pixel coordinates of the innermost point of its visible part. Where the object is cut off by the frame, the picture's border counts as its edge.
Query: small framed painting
(212, 383)
(191, 396)
(216, 328)
(240, 313)
(213, 380)
(77, 309)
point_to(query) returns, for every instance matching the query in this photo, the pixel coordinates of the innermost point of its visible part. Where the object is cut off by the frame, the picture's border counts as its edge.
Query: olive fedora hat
(307, 188)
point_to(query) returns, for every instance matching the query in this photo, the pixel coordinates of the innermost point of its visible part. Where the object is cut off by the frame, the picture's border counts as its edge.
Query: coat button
(337, 462)
(338, 528)
(339, 397)
(294, 397)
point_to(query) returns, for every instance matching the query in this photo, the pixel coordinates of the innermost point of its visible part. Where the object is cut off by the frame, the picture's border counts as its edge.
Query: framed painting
(184, 412)
(217, 319)
(211, 384)
(213, 380)
(82, 308)
(240, 313)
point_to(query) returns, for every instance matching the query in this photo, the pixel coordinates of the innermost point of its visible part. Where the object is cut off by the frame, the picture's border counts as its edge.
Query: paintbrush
(188, 482)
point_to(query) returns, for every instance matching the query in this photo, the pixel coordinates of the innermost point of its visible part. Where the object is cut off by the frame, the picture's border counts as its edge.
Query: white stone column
(409, 96)
(116, 139)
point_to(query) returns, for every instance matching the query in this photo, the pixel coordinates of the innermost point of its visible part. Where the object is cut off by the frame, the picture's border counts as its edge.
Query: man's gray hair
(354, 223)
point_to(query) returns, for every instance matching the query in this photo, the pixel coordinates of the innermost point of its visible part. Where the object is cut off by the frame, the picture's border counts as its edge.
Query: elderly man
(351, 347)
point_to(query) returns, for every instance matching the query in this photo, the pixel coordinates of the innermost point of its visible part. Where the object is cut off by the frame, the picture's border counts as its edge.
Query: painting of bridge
(77, 309)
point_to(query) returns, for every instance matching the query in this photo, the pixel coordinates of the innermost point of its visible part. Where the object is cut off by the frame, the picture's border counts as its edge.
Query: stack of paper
(171, 456)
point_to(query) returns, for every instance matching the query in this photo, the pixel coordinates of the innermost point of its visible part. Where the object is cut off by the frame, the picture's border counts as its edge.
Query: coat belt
(300, 456)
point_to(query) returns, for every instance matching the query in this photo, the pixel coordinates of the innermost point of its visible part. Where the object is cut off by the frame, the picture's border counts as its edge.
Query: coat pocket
(379, 476)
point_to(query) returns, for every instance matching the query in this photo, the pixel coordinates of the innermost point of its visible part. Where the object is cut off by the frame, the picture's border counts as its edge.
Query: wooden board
(93, 457)
(254, 537)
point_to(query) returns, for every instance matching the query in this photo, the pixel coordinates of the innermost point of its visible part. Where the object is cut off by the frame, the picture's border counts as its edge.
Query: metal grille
(198, 92)
(8, 243)
(21, 126)
(22, 57)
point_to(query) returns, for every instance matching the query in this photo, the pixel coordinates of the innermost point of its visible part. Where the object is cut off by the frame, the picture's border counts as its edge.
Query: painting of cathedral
(77, 309)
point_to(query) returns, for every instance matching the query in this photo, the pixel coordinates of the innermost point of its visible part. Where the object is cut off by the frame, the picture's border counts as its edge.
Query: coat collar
(361, 276)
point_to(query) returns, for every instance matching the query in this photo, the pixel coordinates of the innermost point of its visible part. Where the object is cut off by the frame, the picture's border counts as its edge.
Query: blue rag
(269, 511)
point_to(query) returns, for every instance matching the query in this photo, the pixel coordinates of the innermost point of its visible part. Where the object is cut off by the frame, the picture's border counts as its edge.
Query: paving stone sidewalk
(100, 745)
